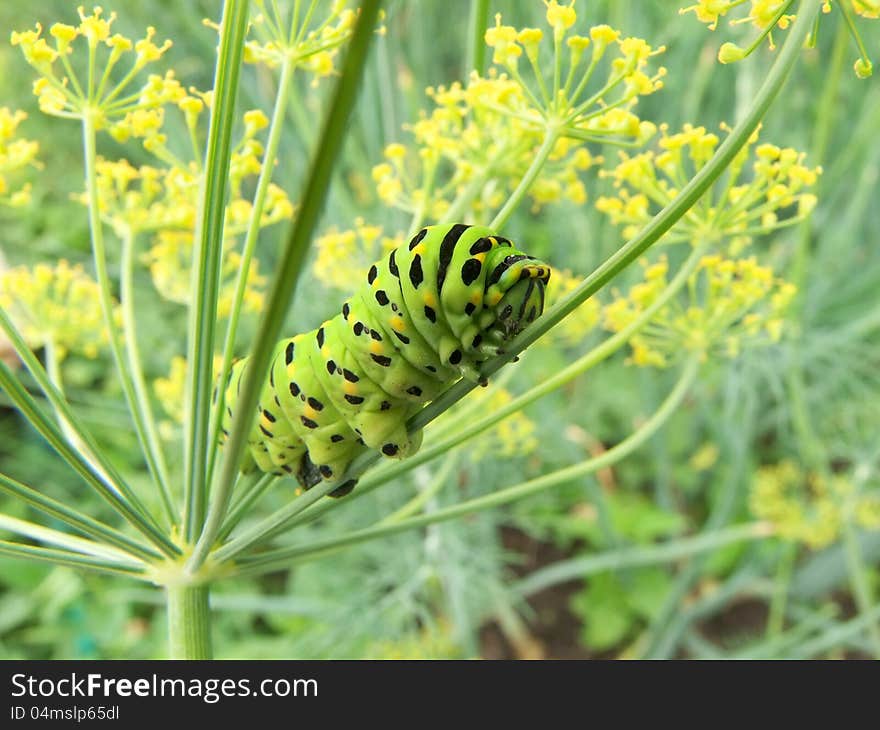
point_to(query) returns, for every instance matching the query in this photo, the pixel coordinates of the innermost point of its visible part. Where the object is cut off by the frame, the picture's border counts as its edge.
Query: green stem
(319, 548)
(850, 21)
(289, 268)
(207, 259)
(776, 619)
(418, 502)
(189, 622)
(122, 502)
(133, 356)
(661, 223)
(631, 557)
(250, 244)
(73, 560)
(53, 370)
(826, 109)
(500, 219)
(294, 513)
(99, 254)
(85, 524)
(83, 442)
(858, 577)
(65, 541)
(477, 23)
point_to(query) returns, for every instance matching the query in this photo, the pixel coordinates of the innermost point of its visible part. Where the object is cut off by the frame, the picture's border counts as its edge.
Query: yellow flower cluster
(735, 210)
(343, 257)
(62, 93)
(476, 144)
(163, 201)
(56, 306)
(569, 99)
(170, 390)
(15, 154)
(310, 44)
(767, 15)
(515, 435)
(577, 326)
(731, 304)
(170, 262)
(809, 508)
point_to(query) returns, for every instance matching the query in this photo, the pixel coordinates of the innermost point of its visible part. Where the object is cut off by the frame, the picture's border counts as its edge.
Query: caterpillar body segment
(427, 314)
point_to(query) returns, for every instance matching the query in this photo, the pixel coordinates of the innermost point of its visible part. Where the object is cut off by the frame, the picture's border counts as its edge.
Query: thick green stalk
(476, 51)
(250, 245)
(136, 371)
(99, 255)
(207, 259)
(288, 271)
(320, 548)
(189, 622)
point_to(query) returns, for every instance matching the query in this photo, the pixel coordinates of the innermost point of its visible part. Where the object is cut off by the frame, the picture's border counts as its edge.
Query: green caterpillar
(429, 313)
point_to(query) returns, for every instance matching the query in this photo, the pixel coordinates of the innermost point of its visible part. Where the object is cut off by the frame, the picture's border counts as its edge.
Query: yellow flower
(343, 256)
(811, 508)
(580, 324)
(731, 304)
(16, 153)
(311, 46)
(734, 211)
(560, 17)
(62, 93)
(56, 306)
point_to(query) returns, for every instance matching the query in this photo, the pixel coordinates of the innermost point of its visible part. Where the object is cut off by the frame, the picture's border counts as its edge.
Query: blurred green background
(460, 589)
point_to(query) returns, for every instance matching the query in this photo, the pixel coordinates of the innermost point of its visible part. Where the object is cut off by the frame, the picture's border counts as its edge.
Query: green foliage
(630, 491)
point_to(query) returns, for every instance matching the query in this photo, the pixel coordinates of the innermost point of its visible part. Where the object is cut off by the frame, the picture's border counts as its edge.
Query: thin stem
(289, 269)
(293, 514)
(424, 496)
(189, 622)
(776, 618)
(846, 11)
(62, 557)
(133, 357)
(630, 557)
(83, 443)
(33, 531)
(239, 509)
(207, 259)
(858, 577)
(121, 502)
(500, 219)
(250, 245)
(103, 278)
(320, 548)
(82, 522)
(658, 225)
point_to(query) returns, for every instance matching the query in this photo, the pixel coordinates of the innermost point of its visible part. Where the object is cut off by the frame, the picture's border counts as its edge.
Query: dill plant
(528, 129)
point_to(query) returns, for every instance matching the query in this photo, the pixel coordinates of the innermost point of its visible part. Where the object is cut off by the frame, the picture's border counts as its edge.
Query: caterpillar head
(516, 286)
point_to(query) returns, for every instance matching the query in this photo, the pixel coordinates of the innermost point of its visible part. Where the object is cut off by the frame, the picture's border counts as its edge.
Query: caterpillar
(430, 312)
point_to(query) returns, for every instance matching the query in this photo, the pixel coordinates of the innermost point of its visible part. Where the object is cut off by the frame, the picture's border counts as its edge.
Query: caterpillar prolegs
(428, 314)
